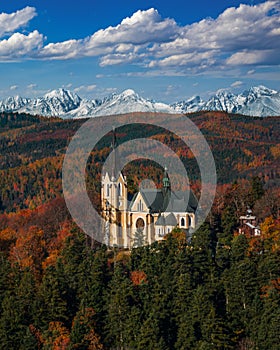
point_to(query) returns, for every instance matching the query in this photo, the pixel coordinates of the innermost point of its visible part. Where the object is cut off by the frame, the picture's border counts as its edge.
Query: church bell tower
(114, 201)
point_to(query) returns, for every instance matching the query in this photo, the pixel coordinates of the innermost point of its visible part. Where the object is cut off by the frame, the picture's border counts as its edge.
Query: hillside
(59, 289)
(32, 150)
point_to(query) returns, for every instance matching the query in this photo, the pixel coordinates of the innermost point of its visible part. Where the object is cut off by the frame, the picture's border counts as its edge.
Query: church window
(182, 222)
(108, 190)
(140, 224)
(119, 189)
(140, 205)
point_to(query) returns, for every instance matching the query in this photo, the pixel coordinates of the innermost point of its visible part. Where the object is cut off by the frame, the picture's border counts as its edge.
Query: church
(146, 217)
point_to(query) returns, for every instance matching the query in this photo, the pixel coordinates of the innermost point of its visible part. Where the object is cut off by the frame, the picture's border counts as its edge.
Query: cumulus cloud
(12, 21)
(244, 35)
(115, 59)
(13, 87)
(141, 28)
(20, 45)
(64, 50)
(240, 36)
(206, 58)
(131, 35)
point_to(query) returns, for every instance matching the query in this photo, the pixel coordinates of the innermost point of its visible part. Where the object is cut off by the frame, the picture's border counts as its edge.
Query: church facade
(146, 217)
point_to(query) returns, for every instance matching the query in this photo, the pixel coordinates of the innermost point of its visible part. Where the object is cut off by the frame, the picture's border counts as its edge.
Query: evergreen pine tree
(83, 333)
(51, 301)
(119, 303)
(18, 312)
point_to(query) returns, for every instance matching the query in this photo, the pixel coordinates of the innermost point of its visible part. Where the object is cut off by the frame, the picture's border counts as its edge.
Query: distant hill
(32, 149)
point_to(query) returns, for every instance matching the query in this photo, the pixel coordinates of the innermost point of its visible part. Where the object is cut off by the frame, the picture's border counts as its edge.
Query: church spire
(165, 180)
(166, 190)
(113, 144)
(114, 155)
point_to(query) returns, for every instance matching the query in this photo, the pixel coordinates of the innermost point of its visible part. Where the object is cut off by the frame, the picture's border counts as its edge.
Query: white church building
(146, 217)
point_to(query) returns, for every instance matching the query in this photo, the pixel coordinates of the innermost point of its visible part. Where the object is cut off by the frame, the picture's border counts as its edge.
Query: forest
(61, 290)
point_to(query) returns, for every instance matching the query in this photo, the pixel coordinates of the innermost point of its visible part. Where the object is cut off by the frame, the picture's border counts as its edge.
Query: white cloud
(236, 84)
(133, 33)
(241, 36)
(11, 22)
(85, 88)
(141, 28)
(31, 86)
(171, 89)
(236, 30)
(118, 58)
(251, 71)
(14, 87)
(19, 45)
(64, 50)
(110, 90)
(205, 58)
(254, 57)
(125, 48)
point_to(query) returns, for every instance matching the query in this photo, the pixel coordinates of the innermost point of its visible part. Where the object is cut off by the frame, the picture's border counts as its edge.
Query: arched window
(108, 190)
(182, 222)
(140, 205)
(119, 189)
(140, 224)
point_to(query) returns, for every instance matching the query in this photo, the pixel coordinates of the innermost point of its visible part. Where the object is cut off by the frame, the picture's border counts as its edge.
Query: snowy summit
(257, 101)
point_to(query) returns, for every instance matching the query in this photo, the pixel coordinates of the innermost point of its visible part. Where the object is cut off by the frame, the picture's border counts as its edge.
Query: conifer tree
(5, 270)
(256, 190)
(52, 298)
(119, 303)
(268, 335)
(83, 333)
(94, 279)
(150, 335)
(18, 312)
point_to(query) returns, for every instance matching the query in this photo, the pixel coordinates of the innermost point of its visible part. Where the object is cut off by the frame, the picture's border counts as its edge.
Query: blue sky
(165, 50)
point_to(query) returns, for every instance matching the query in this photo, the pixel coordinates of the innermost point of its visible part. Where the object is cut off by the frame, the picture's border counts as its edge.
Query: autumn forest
(59, 289)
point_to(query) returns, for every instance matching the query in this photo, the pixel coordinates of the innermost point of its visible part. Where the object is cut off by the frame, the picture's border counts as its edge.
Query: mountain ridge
(257, 101)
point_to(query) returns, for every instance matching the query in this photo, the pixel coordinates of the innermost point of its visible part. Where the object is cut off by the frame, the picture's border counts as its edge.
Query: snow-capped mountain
(126, 102)
(192, 104)
(223, 101)
(12, 104)
(260, 101)
(86, 109)
(55, 103)
(257, 101)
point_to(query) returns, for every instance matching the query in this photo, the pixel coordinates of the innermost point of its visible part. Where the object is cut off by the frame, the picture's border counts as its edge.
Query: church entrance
(140, 224)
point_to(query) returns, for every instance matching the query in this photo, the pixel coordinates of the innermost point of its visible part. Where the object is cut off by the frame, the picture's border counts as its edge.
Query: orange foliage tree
(29, 249)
